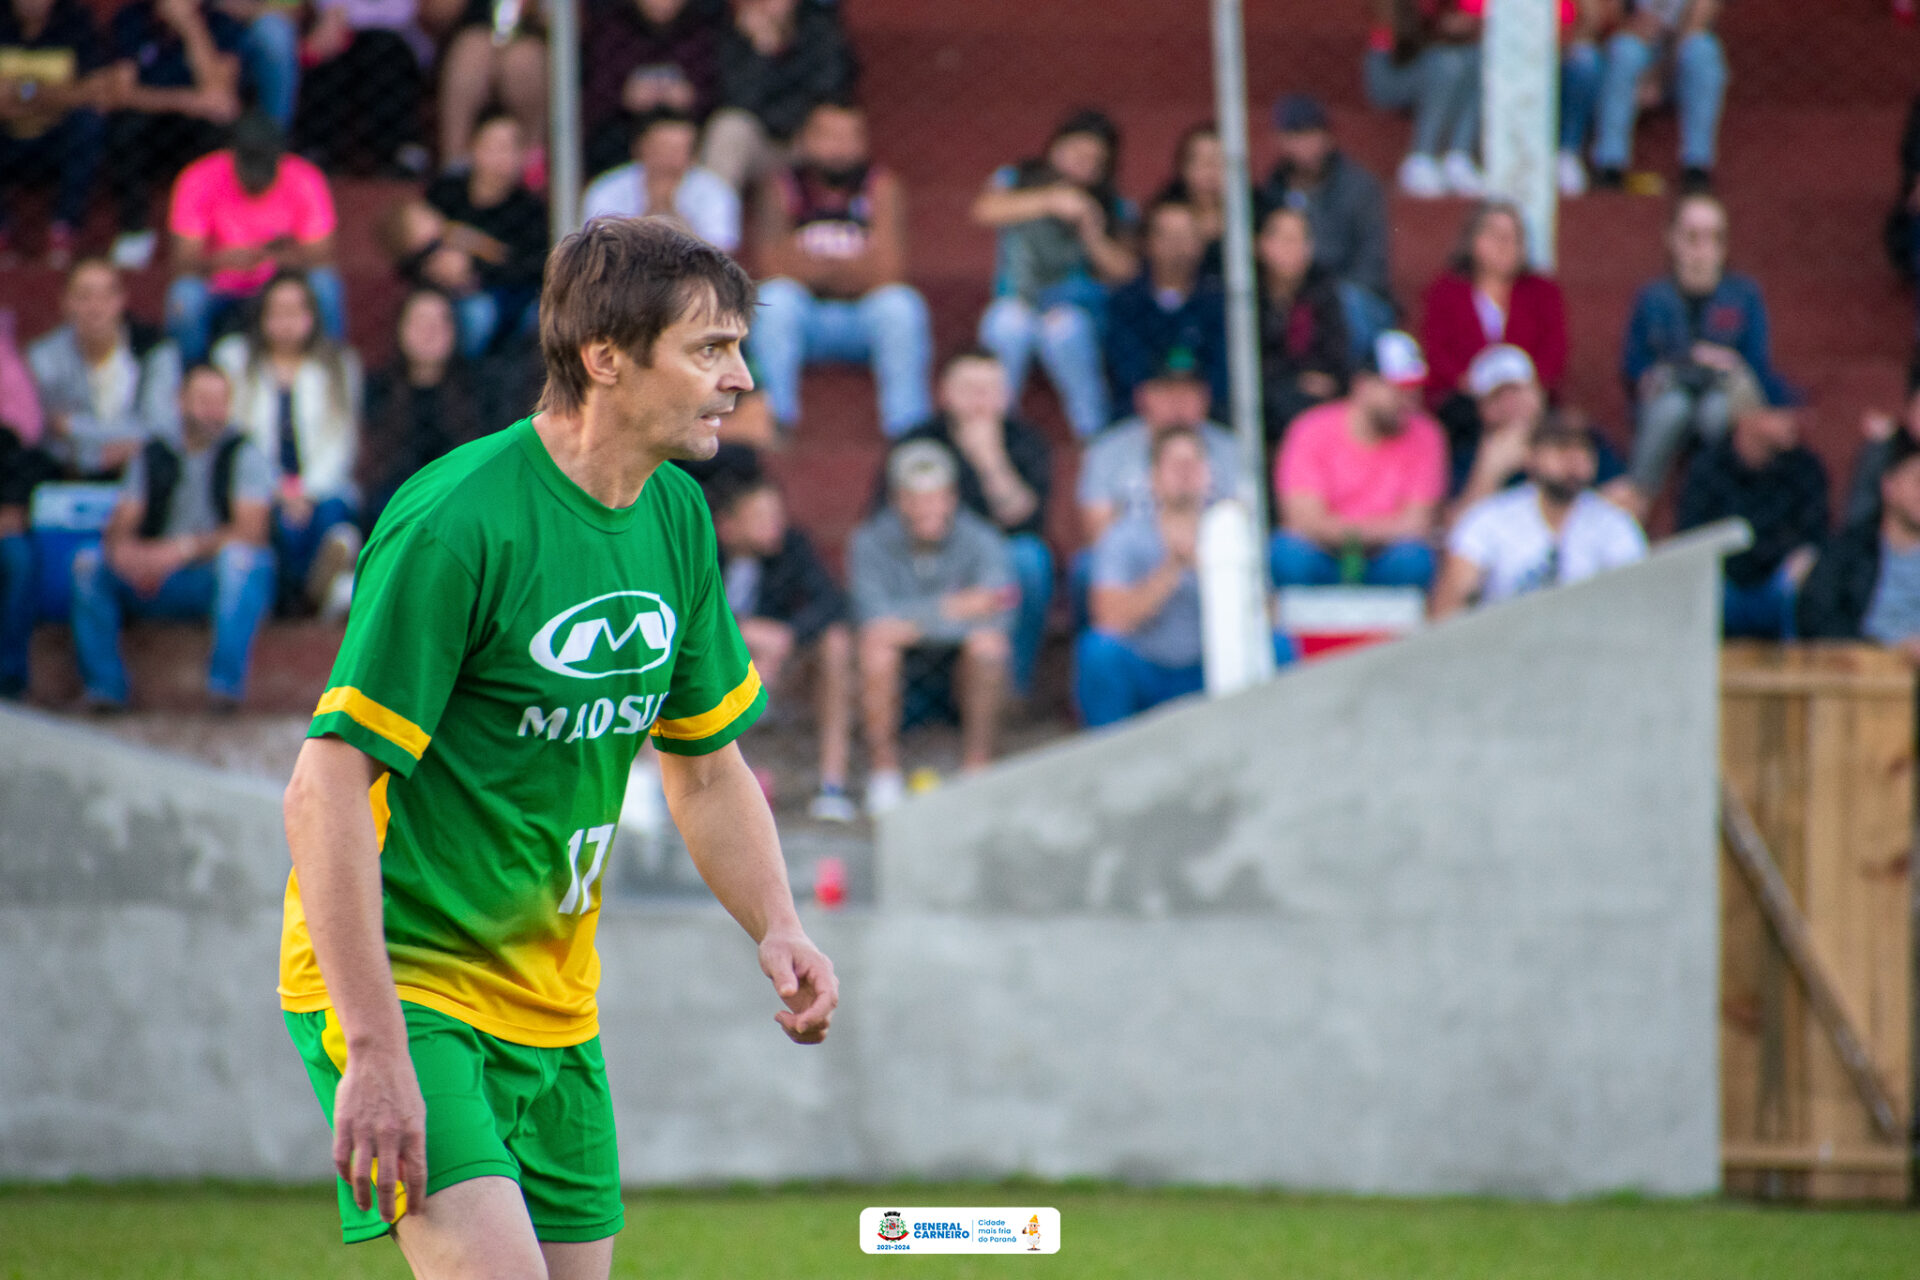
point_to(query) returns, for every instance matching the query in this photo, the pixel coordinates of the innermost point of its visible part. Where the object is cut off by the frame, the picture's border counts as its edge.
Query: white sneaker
(1572, 174)
(1420, 177)
(832, 805)
(133, 250)
(885, 790)
(1462, 175)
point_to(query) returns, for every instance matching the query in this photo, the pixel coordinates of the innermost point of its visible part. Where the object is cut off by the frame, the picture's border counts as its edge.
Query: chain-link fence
(960, 512)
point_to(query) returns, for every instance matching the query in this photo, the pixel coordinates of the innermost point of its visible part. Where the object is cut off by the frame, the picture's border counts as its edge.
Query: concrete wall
(1437, 917)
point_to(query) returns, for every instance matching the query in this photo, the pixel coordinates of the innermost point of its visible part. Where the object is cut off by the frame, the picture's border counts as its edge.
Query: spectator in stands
(779, 59)
(269, 54)
(1168, 305)
(23, 465)
(642, 57)
(237, 217)
(187, 538)
(51, 58)
(1199, 181)
(1489, 294)
(496, 55)
(1902, 230)
(1760, 473)
(1423, 56)
(1553, 530)
(1866, 583)
(297, 397)
(1581, 67)
(787, 604)
(662, 179)
(1065, 235)
(833, 235)
(176, 88)
(1879, 431)
(1005, 474)
(1697, 350)
(1346, 211)
(1116, 471)
(492, 244)
(1653, 33)
(366, 74)
(1359, 481)
(106, 382)
(420, 406)
(1510, 404)
(1305, 357)
(934, 593)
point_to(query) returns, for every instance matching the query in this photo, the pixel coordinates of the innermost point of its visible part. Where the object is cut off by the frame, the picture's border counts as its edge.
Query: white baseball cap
(1500, 365)
(1397, 358)
(920, 465)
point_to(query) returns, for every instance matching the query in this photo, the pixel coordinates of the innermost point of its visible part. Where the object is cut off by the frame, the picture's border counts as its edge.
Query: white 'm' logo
(619, 617)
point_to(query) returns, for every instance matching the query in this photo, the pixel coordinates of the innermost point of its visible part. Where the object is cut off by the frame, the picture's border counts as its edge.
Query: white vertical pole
(564, 177)
(1252, 659)
(1520, 94)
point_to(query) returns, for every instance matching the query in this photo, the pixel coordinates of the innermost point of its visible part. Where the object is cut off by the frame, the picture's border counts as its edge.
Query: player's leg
(570, 1162)
(584, 1260)
(472, 1230)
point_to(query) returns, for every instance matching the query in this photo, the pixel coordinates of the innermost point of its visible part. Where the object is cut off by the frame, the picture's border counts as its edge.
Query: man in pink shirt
(238, 216)
(1359, 481)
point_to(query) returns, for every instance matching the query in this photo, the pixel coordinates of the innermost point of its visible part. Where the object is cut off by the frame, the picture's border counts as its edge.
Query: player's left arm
(722, 813)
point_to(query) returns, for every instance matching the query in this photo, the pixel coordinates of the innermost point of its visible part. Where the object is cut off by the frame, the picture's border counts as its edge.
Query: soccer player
(529, 607)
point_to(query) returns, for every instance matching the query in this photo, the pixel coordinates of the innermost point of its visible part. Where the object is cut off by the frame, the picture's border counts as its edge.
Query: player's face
(697, 374)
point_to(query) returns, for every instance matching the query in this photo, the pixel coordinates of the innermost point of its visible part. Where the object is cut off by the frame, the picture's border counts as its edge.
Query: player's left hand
(803, 978)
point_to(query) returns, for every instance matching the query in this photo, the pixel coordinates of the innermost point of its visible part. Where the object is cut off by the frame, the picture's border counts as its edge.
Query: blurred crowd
(1421, 445)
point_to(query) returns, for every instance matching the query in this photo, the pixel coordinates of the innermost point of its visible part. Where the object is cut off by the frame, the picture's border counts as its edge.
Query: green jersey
(511, 640)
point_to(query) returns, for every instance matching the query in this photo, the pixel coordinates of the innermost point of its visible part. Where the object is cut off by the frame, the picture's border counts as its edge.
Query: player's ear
(601, 359)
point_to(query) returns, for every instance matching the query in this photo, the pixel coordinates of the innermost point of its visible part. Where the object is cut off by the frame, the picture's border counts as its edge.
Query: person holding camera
(1697, 351)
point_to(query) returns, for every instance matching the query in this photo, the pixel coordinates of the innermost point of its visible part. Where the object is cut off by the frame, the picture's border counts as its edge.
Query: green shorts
(542, 1117)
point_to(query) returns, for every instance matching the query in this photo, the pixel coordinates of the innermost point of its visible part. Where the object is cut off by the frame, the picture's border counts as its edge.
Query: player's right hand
(380, 1130)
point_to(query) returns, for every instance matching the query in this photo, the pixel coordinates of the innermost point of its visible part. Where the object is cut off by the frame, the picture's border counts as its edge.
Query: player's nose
(736, 377)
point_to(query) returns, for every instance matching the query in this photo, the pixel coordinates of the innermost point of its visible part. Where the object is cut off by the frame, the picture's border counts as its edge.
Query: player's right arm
(378, 1113)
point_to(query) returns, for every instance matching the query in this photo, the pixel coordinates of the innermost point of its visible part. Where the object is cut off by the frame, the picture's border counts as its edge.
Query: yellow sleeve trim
(370, 715)
(708, 723)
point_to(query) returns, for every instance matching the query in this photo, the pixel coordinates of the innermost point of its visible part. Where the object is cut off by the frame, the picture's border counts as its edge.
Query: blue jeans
(67, 154)
(1367, 314)
(1580, 71)
(1296, 562)
(1763, 612)
(16, 612)
(195, 311)
(235, 590)
(270, 64)
(888, 328)
(480, 315)
(1699, 88)
(1112, 682)
(295, 545)
(1033, 570)
(1066, 333)
(1441, 86)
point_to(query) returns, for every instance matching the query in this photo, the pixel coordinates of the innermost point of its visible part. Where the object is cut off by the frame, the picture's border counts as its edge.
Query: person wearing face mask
(1550, 531)
(833, 237)
(1065, 237)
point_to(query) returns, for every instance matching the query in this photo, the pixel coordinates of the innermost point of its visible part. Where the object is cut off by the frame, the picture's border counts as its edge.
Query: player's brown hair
(625, 281)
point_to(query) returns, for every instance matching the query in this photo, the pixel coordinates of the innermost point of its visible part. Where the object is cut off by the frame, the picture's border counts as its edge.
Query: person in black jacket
(1005, 473)
(778, 61)
(1866, 583)
(1759, 472)
(492, 243)
(1304, 352)
(786, 602)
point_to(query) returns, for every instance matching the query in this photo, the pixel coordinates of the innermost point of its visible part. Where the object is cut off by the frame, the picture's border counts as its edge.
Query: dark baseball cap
(1179, 365)
(1299, 113)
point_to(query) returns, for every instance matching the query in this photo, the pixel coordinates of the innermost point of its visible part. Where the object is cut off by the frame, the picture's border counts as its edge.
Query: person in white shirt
(1553, 530)
(662, 178)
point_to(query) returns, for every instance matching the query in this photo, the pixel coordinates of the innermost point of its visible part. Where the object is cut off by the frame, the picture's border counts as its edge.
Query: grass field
(220, 1233)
